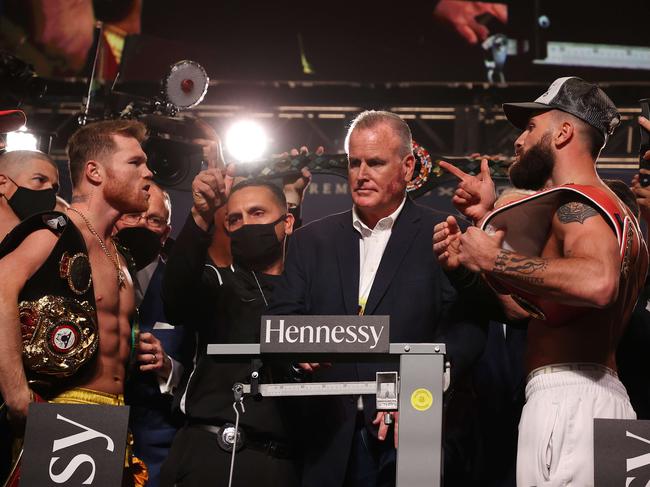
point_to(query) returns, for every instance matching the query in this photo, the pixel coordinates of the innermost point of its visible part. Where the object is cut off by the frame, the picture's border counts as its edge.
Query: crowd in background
(152, 304)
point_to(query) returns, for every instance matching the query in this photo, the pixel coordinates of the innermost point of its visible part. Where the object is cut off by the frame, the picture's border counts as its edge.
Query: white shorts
(556, 431)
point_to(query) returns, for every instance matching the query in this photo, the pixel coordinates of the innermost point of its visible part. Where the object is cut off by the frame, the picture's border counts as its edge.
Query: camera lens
(173, 163)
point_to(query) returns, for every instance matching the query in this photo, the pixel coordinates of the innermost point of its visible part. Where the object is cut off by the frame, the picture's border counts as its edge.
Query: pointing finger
(450, 168)
(485, 168)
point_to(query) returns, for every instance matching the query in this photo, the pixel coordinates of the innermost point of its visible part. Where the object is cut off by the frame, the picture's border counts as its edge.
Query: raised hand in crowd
(211, 143)
(64, 29)
(294, 188)
(461, 16)
(643, 193)
(211, 186)
(475, 195)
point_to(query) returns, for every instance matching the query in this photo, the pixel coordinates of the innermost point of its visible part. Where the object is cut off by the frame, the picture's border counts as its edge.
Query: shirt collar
(383, 224)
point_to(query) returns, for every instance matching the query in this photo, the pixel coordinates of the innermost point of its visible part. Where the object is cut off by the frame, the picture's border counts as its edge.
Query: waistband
(571, 366)
(80, 395)
(574, 374)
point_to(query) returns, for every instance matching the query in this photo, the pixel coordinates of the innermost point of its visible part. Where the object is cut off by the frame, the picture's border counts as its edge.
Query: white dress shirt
(371, 249)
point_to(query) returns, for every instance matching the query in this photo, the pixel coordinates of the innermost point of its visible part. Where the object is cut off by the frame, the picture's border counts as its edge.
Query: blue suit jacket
(322, 277)
(152, 419)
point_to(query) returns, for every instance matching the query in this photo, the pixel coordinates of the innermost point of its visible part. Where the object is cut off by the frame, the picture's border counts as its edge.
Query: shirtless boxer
(108, 184)
(580, 288)
(110, 177)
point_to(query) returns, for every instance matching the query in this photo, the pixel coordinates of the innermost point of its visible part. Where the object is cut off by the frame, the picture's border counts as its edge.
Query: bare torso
(588, 334)
(115, 307)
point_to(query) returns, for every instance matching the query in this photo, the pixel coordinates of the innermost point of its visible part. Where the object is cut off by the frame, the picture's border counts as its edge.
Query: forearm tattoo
(575, 212)
(509, 263)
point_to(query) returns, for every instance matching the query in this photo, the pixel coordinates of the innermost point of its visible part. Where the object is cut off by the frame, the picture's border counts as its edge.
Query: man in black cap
(573, 258)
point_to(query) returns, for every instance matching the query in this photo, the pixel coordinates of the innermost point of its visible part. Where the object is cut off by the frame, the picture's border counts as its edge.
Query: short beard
(123, 197)
(534, 167)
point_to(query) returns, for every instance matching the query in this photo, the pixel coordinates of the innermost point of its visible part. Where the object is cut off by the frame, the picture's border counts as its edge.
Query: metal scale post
(423, 378)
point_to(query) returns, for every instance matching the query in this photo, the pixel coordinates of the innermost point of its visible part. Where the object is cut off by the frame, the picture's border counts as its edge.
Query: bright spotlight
(246, 141)
(21, 140)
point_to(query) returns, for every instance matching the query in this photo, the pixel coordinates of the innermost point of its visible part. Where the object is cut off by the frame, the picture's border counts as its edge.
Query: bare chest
(112, 297)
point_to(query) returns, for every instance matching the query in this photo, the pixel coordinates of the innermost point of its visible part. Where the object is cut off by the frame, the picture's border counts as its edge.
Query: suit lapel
(347, 251)
(149, 299)
(404, 231)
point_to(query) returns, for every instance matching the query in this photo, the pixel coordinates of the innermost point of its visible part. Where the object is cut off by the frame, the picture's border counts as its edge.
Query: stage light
(246, 141)
(21, 140)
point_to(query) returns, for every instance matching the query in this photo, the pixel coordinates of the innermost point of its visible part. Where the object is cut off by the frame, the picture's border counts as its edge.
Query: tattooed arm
(586, 273)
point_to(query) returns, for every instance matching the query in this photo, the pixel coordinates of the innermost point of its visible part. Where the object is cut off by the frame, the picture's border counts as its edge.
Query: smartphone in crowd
(644, 179)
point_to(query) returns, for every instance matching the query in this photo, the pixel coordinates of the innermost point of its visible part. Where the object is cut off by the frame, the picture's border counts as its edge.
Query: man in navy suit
(375, 259)
(162, 348)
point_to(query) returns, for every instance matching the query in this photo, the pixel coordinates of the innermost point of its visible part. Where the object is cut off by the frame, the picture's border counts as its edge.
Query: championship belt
(527, 223)
(56, 306)
(59, 335)
(427, 173)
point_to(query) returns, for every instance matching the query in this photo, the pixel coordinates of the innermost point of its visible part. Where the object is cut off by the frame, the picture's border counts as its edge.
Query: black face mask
(256, 246)
(143, 244)
(26, 202)
(297, 220)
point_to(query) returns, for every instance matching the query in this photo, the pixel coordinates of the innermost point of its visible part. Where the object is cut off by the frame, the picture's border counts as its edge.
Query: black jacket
(223, 305)
(322, 278)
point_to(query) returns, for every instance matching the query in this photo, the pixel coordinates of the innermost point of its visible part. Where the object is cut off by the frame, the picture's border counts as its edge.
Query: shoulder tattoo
(575, 212)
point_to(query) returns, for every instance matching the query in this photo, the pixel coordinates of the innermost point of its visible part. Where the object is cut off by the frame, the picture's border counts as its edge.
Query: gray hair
(371, 118)
(12, 162)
